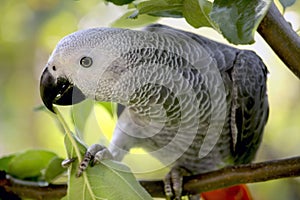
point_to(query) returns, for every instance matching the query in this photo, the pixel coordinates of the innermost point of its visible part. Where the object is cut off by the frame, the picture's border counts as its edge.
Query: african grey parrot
(195, 104)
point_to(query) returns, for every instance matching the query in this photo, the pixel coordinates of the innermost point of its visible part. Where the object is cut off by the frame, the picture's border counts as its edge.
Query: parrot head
(78, 68)
(58, 91)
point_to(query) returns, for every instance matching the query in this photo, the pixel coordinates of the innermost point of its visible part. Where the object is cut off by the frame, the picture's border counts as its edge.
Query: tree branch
(233, 175)
(284, 41)
(225, 177)
(11, 188)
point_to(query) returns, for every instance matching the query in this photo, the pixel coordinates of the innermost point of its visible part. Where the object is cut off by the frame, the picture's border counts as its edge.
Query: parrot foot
(173, 182)
(94, 154)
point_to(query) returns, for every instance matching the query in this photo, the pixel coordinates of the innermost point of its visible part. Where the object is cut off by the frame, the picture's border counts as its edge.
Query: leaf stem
(68, 132)
(76, 148)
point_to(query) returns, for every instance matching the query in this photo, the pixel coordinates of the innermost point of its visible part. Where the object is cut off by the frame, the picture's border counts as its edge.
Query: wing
(250, 108)
(224, 55)
(245, 75)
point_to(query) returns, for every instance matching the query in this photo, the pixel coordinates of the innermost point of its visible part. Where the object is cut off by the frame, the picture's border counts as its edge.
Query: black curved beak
(58, 91)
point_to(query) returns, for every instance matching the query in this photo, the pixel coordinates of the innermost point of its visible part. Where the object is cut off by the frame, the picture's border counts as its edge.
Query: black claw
(67, 162)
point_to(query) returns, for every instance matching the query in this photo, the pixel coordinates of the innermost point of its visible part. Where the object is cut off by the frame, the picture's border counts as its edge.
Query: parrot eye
(86, 62)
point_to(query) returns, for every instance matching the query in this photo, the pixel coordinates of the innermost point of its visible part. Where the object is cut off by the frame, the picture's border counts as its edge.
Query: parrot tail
(237, 192)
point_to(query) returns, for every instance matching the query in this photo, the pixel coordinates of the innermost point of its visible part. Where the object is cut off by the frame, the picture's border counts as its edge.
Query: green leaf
(4, 162)
(126, 21)
(237, 20)
(70, 148)
(80, 114)
(54, 169)
(160, 8)
(109, 106)
(107, 180)
(120, 2)
(287, 3)
(197, 14)
(30, 163)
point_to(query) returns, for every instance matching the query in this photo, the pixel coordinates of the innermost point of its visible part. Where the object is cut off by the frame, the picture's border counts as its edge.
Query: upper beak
(58, 91)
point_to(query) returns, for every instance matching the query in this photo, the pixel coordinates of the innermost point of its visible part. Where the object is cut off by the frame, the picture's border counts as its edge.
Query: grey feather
(244, 77)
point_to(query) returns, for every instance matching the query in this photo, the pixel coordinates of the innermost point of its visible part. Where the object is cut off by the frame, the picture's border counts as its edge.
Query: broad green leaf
(80, 114)
(4, 162)
(237, 20)
(70, 148)
(195, 15)
(54, 169)
(106, 122)
(174, 1)
(30, 163)
(126, 22)
(175, 12)
(287, 3)
(107, 180)
(159, 8)
(109, 106)
(120, 2)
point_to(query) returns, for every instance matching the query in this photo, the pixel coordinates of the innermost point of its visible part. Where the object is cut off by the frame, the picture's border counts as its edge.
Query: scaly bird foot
(94, 154)
(173, 182)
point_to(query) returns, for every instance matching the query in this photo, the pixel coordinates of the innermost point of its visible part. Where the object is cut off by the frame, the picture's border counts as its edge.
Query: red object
(237, 192)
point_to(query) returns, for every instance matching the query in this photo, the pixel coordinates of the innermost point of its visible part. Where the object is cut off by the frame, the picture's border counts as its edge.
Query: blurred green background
(29, 31)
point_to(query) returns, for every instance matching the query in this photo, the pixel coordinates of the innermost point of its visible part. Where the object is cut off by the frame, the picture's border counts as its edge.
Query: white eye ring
(86, 61)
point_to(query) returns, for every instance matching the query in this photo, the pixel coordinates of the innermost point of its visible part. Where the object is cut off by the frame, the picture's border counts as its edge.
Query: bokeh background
(29, 31)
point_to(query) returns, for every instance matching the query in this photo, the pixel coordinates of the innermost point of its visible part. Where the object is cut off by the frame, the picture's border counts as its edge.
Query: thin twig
(280, 36)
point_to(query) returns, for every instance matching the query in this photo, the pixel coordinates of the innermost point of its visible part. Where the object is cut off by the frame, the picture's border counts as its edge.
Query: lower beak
(58, 91)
